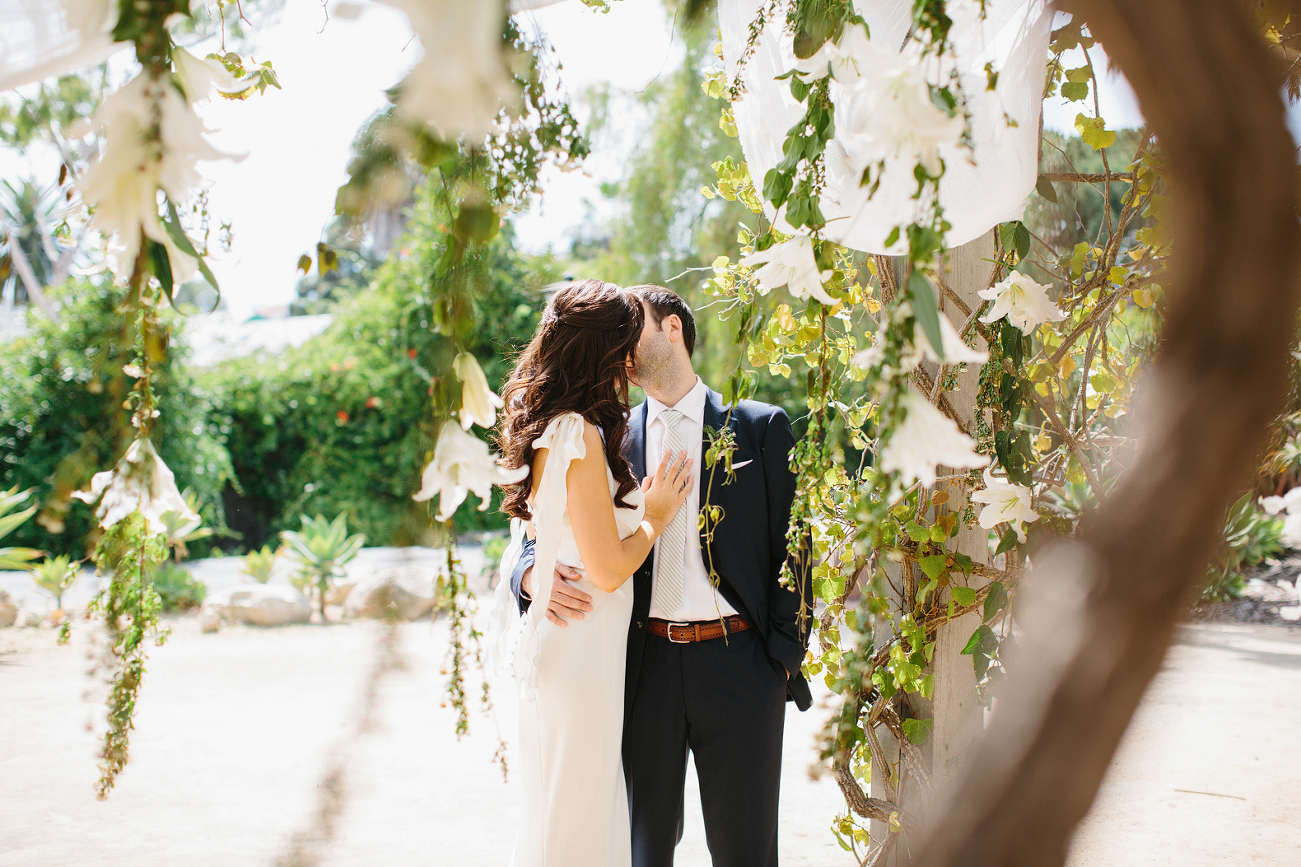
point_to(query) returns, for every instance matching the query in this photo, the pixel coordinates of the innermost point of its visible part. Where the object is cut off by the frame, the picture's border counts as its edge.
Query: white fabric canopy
(44, 38)
(980, 189)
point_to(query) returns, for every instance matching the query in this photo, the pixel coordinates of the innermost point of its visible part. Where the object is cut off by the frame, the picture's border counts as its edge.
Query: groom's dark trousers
(724, 699)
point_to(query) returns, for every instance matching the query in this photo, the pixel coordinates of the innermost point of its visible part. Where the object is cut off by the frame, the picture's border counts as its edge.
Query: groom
(710, 668)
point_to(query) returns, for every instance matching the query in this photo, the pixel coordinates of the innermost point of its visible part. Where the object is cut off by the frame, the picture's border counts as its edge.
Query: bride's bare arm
(609, 560)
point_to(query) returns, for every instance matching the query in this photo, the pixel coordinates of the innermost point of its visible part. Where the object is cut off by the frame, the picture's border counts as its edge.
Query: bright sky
(281, 195)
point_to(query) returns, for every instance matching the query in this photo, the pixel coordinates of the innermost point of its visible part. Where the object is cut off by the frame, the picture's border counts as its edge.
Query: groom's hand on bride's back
(567, 601)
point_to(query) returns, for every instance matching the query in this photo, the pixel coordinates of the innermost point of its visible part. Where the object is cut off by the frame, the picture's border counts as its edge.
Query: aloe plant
(321, 549)
(258, 564)
(55, 575)
(181, 529)
(15, 558)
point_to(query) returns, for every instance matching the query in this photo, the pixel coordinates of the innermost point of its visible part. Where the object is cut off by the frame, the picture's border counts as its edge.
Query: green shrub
(177, 588)
(1250, 536)
(321, 550)
(62, 421)
(258, 564)
(343, 423)
(55, 575)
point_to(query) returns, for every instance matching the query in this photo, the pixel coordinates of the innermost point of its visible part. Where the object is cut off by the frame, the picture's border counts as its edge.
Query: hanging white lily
(1005, 503)
(1024, 302)
(955, 350)
(885, 112)
(122, 184)
(199, 77)
(461, 465)
(463, 81)
(793, 265)
(843, 59)
(479, 403)
(924, 439)
(139, 481)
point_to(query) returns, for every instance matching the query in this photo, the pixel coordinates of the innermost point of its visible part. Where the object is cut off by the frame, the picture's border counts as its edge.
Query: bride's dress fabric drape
(570, 683)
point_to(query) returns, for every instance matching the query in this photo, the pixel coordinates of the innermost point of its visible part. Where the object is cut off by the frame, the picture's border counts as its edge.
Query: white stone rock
(261, 604)
(412, 597)
(210, 617)
(8, 612)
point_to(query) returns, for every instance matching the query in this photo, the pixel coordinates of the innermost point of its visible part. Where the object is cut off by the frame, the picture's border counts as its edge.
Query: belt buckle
(669, 630)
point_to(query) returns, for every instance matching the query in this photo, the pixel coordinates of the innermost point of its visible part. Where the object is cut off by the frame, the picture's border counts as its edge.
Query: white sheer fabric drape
(980, 189)
(44, 38)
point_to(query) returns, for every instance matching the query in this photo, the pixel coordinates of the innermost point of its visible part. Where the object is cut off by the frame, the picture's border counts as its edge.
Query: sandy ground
(250, 749)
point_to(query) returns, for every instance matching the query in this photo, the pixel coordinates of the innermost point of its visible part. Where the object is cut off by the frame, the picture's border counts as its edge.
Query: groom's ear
(672, 324)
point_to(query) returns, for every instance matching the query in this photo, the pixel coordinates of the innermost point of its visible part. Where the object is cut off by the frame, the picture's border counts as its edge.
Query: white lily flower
(926, 438)
(793, 265)
(479, 403)
(1005, 502)
(1289, 502)
(122, 184)
(463, 80)
(199, 77)
(955, 350)
(461, 465)
(843, 59)
(139, 481)
(1289, 506)
(885, 111)
(1024, 302)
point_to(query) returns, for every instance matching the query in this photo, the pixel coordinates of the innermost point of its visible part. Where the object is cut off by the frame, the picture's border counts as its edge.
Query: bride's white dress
(570, 682)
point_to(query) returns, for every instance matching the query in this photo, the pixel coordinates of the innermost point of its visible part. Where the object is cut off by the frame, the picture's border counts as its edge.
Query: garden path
(237, 730)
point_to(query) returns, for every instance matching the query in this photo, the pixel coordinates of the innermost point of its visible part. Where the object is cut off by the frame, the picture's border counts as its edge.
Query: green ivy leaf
(933, 565)
(995, 600)
(926, 310)
(1045, 189)
(1074, 91)
(1094, 132)
(173, 226)
(1007, 541)
(917, 730)
(964, 596)
(776, 187)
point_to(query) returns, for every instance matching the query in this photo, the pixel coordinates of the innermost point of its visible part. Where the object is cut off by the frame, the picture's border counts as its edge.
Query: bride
(565, 419)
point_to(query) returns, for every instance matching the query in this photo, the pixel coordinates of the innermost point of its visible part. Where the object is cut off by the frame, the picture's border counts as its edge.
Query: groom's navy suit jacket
(749, 542)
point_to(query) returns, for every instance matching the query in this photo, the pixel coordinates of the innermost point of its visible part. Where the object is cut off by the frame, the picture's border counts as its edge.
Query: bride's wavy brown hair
(576, 362)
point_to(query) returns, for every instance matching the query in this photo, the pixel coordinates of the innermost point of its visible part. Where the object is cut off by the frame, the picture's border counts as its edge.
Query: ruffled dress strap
(564, 438)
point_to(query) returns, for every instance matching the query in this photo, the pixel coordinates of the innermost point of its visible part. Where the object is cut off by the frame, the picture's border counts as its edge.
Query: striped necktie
(671, 562)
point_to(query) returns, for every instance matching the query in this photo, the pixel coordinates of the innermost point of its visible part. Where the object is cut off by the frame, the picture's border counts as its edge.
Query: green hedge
(62, 421)
(343, 422)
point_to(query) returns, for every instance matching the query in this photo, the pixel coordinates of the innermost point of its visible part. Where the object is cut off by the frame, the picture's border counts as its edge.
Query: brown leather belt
(703, 630)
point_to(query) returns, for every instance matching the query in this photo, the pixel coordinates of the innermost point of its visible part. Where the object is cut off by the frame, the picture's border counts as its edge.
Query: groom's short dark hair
(665, 302)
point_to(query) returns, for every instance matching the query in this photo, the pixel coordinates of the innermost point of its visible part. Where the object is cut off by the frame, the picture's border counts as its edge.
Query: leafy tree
(62, 390)
(342, 423)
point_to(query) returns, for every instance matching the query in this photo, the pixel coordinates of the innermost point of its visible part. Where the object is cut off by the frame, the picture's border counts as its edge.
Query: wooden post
(953, 705)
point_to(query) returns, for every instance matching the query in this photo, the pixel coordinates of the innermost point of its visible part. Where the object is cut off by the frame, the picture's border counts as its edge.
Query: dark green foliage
(1250, 536)
(62, 421)
(344, 423)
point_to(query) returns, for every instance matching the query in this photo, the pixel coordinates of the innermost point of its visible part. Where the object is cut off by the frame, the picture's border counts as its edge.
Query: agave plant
(15, 558)
(181, 529)
(258, 564)
(55, 575)
(321, 549)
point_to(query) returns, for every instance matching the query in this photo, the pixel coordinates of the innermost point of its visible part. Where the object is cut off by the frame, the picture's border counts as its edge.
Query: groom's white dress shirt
(700, 601)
